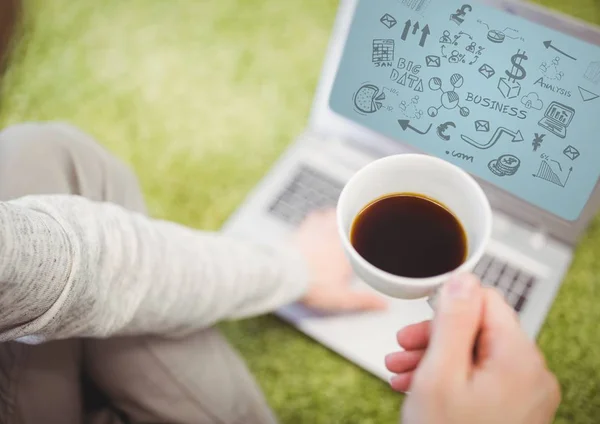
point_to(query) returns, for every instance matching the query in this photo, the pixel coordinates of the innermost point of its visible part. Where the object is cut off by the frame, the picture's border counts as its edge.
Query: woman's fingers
(415, 336)
(401, 382)
(399, 362)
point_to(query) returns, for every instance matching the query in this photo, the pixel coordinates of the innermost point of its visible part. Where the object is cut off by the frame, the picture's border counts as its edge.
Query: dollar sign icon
(517, 72)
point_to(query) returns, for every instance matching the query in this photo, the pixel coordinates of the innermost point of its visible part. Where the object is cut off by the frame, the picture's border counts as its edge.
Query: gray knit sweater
(71, 267)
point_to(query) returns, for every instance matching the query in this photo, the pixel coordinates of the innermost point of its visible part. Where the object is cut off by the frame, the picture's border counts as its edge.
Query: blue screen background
(512, 102)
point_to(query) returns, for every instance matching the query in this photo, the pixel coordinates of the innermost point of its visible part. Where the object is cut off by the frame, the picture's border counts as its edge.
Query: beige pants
(195, 380)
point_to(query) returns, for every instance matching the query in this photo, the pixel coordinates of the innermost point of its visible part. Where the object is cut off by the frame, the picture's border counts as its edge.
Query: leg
(44, 159)
(198, 379)
(42, 383)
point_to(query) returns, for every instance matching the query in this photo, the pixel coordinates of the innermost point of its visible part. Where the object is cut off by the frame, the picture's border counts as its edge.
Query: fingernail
(460, 286)
(391, 379)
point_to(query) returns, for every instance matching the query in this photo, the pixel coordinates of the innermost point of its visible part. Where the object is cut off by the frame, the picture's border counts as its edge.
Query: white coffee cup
(419, 174)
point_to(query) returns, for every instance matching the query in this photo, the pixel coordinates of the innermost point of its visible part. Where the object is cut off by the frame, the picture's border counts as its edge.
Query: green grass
(200, 97)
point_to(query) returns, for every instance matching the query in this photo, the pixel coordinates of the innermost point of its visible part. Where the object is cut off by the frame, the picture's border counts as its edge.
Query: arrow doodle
(514, 137)
(405, 124)
(407, 26)
(548, 45)
(415, 28)
(425, 32)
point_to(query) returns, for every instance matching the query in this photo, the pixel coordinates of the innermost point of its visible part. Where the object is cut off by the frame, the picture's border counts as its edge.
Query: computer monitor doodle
(557, 118)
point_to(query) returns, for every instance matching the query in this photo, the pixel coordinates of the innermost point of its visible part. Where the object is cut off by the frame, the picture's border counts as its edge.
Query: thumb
(361, 301)
(456, 324)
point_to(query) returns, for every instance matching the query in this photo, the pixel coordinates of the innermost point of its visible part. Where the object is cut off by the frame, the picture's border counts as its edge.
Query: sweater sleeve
(72, 267)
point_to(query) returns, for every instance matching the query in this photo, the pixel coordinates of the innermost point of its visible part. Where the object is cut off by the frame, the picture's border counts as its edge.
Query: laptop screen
(510, 101)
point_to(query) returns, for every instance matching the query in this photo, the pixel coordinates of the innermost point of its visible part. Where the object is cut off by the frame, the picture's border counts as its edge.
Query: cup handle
(432, 299)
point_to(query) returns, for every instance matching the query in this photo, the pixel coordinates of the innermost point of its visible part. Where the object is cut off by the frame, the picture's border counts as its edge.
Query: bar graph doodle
(418, 6)
(592, 72)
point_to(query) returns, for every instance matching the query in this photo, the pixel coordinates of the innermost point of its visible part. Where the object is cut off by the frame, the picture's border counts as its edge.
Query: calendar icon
(383, 51)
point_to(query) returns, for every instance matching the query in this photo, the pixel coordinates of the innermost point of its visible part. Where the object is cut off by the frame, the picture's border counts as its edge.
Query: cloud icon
(532, 101)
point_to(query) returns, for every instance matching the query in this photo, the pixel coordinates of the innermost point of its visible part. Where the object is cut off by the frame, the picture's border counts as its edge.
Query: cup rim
(435, 279)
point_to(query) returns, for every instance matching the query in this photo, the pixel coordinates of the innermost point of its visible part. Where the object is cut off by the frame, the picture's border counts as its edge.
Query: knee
(22, 144)
(51, 158)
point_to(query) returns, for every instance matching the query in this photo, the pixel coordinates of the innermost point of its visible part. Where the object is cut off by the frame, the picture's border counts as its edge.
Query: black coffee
(409, 235)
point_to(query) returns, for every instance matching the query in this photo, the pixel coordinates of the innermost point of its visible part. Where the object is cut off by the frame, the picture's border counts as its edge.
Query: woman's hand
(473, 364)
(330, 291)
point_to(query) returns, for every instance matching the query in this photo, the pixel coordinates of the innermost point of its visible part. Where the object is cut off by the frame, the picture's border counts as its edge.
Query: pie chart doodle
(367, 98)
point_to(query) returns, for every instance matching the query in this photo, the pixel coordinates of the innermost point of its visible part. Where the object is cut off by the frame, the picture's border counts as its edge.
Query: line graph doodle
(547, 173)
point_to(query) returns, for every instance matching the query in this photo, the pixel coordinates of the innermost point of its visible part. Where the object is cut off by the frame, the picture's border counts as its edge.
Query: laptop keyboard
(515, 284)
(308, 190)
(311, 189)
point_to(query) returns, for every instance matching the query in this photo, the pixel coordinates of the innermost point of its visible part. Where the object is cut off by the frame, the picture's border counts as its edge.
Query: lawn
(200, 97)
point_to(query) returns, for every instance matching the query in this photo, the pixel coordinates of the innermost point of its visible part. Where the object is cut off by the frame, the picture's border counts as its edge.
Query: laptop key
(308, 190)
(513, 283)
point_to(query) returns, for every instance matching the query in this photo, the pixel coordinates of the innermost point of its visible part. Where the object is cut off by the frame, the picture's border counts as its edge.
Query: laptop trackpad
(362, 338)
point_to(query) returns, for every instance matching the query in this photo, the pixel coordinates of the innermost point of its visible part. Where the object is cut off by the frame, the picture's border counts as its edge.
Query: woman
(95, 295)
(98, 301)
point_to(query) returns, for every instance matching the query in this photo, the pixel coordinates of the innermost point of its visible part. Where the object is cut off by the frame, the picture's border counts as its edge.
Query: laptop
(557, 119)
(404, 76)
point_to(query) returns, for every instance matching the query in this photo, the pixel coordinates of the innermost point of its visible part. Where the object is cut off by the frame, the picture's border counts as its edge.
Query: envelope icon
(486, 70)
(432, 61)
(482, 126)
(571, 152)
(388, 20)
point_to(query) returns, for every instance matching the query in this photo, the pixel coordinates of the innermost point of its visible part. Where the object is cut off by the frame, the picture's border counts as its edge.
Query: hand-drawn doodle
(551, 71)
(537, 141)
(549, 173)
(514, 137)
(498, 36)
(460, 155)
(592, 73)
(411, 110)
(445, 38)
(410, 66)
(532, 101)
(448, 99)
(510, 87)
(482, 126)
(505, 165)
(486, 70)
(587, 95)
(424, 32)
(459, 16)
(388, 20)
(405, 124)
(571, 152)
(557, 119)
(452, 49)
(418, 6)
(383, 51)
(432, 61)
(407, 79)
(442, 128)
(548, 45)
(367, 99)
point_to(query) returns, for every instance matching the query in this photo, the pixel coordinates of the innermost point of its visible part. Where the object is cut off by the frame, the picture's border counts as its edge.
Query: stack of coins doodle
(505, 165)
